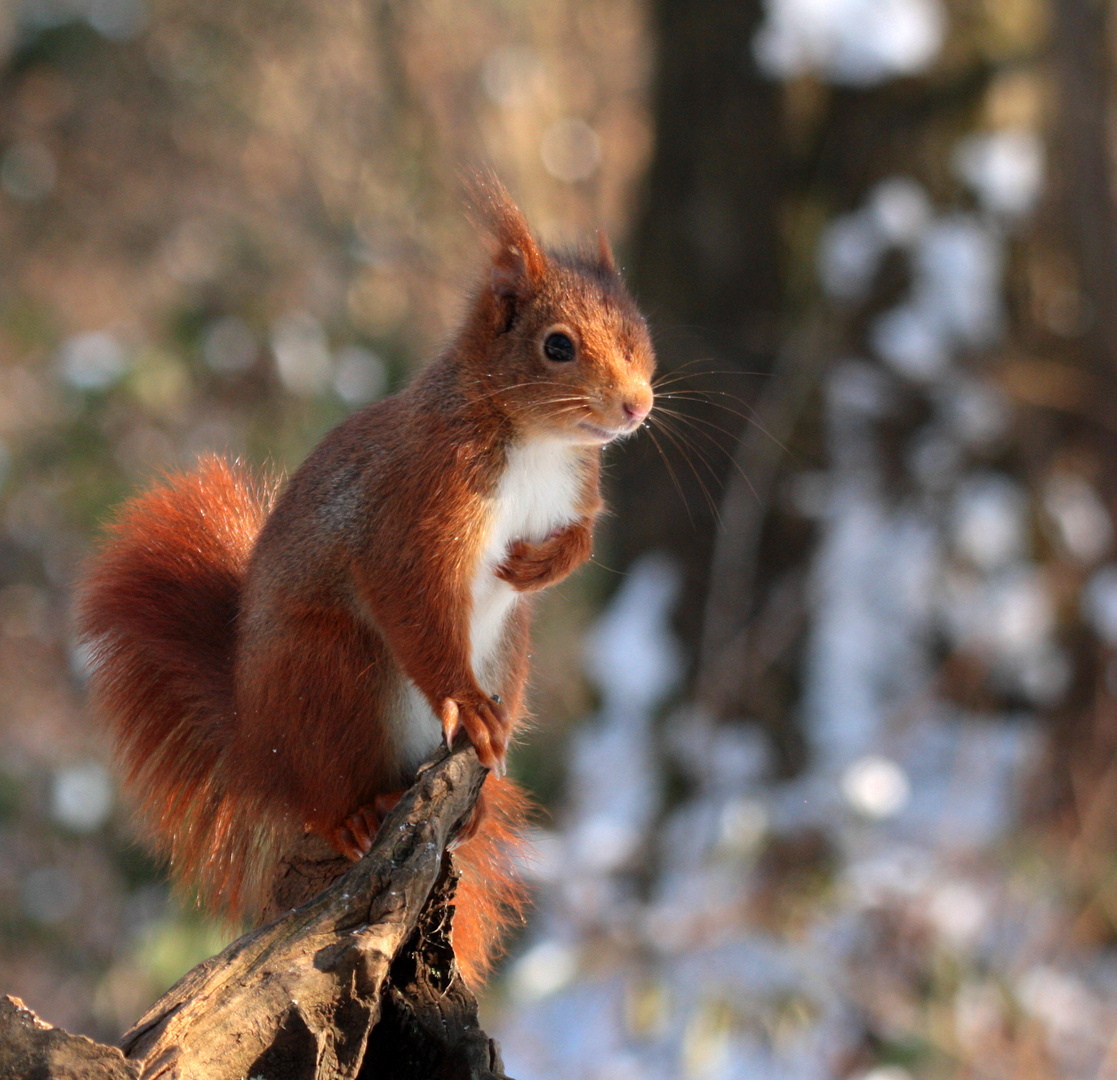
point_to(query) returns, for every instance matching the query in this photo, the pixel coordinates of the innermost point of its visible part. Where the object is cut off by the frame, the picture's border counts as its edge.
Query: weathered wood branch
(33, 1050)
(359, 981)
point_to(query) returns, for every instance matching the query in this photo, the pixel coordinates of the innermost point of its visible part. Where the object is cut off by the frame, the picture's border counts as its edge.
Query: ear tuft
(518, 261)
(605, 252)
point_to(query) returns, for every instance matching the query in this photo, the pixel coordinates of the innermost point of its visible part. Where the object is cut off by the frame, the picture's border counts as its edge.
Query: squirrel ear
(518, 261)
(514, 272)
(605, 252)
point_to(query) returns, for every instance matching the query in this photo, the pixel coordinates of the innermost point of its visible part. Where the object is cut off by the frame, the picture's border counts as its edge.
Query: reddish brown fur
(253, 660)
(159, 612)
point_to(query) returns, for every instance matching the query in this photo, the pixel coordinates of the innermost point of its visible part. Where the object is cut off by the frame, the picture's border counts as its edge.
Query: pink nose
(637, 410)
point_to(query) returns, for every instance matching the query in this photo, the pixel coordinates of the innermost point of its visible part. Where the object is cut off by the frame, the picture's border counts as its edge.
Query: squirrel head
(556, 342)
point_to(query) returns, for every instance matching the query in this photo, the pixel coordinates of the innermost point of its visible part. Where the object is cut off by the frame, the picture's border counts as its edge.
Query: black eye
(559, 348)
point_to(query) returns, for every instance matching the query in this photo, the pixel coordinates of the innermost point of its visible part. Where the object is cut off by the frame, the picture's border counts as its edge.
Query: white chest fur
(537, 494)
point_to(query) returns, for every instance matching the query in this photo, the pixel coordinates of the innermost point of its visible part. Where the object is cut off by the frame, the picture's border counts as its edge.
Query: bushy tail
(491, 894)
(157, 613)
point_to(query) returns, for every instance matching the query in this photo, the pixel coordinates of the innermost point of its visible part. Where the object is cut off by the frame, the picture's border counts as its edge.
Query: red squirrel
(272, 661)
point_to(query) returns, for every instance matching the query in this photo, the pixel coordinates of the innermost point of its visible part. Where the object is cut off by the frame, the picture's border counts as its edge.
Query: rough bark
(33, 1050)
(357, 982)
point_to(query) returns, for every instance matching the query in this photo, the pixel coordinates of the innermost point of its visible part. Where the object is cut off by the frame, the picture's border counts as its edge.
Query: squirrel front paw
(528, 567)
(485, 720)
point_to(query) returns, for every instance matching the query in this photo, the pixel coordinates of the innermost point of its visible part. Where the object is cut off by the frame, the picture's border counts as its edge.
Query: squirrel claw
(485, 720)
(451, 722)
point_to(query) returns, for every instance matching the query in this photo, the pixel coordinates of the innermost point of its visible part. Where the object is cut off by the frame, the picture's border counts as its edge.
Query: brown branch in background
(368, 963)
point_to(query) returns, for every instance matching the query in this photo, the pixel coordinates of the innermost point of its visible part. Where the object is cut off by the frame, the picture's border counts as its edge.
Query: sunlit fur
(272, 663)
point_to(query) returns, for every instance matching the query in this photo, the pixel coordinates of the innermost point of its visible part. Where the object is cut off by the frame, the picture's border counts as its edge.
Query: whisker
(749, 418)
(681, 447)
(694, 421)
(706, 396)
(706, 422)
(674, 478)
(671, 377)
(670, 421)
(608, 569)
(732, 457)
(694, 448)
(519, 386)
(579, 400)
(665, 410)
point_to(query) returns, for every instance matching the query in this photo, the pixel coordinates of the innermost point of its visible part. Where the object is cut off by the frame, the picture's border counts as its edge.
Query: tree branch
(364, 971)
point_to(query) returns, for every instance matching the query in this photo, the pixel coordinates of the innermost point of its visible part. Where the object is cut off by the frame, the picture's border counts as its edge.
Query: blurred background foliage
(849, 810)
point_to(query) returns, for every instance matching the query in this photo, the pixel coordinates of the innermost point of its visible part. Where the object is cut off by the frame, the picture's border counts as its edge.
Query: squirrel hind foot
(355, 835)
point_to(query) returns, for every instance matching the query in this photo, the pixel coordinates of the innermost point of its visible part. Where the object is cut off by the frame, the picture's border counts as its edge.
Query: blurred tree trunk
(1082, 756)
(1083, 160)
(708, 241)
(706, 248)
(745, 172)
(710, 267)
